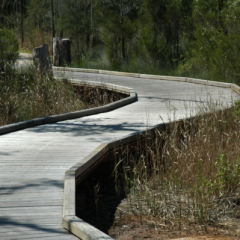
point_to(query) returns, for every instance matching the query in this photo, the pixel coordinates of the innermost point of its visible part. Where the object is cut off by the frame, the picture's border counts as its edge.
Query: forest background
(195, 38)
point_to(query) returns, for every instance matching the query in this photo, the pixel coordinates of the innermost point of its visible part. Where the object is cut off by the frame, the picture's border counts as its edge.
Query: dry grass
(28, 95)
(187, 174)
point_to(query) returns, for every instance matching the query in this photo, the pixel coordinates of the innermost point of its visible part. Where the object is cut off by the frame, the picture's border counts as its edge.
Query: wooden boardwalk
(33, 161)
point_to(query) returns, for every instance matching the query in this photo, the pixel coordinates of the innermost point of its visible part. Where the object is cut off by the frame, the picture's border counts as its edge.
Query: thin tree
(52, 21)
(21, 22)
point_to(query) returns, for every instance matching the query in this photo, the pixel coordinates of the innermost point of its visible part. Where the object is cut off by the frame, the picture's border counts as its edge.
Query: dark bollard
(61, 52)
(41, 58)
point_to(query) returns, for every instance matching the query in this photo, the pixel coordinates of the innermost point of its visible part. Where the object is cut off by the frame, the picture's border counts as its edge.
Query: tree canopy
(195, 38)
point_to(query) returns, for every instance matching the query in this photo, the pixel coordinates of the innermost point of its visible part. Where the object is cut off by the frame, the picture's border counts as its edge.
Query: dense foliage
(8, 49)
(185, 37)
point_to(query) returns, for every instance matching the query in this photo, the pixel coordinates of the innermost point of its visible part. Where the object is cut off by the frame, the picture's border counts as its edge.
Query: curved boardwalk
(33, 161)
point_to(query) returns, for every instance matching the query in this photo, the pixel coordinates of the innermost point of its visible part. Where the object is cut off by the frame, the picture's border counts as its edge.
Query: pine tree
(119, 29)
(169, 20)
(78, 24)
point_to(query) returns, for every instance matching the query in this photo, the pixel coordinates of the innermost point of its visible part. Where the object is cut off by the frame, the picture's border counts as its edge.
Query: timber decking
(33, 161)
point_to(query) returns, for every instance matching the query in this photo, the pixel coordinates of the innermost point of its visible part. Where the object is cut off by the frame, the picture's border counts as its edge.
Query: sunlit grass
(29, 94)
(188, 173)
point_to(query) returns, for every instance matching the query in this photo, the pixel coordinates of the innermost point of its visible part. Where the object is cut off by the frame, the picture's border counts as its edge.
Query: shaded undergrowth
(96, 200)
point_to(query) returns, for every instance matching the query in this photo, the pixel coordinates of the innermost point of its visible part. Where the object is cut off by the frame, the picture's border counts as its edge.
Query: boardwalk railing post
(61, 52)
(41, 58)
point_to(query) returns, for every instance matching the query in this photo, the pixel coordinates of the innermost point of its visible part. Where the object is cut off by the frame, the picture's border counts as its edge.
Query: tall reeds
(188, 173)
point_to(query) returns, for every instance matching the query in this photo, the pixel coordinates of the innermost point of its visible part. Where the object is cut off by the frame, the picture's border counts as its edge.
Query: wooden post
(65, 51)
(61, 52)
(41, 58)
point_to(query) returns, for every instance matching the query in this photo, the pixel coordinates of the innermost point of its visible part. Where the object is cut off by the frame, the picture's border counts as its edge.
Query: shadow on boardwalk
(44, 184)
(88, 127)
(24, 223)
(8, 221)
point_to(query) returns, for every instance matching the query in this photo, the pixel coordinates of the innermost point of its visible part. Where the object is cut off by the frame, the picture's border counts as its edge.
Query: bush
(8, 48)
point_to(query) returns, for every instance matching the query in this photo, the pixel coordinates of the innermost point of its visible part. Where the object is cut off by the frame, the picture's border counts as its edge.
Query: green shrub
(8, 48)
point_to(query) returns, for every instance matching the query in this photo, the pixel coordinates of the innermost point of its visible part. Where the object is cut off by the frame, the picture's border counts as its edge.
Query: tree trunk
(21, 27)
(123, 48)
(91, 31)
(87, 42)
(122, 37)
(52, 20)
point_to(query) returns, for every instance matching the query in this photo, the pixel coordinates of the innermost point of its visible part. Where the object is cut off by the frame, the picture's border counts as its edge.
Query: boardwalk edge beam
(77, 114)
